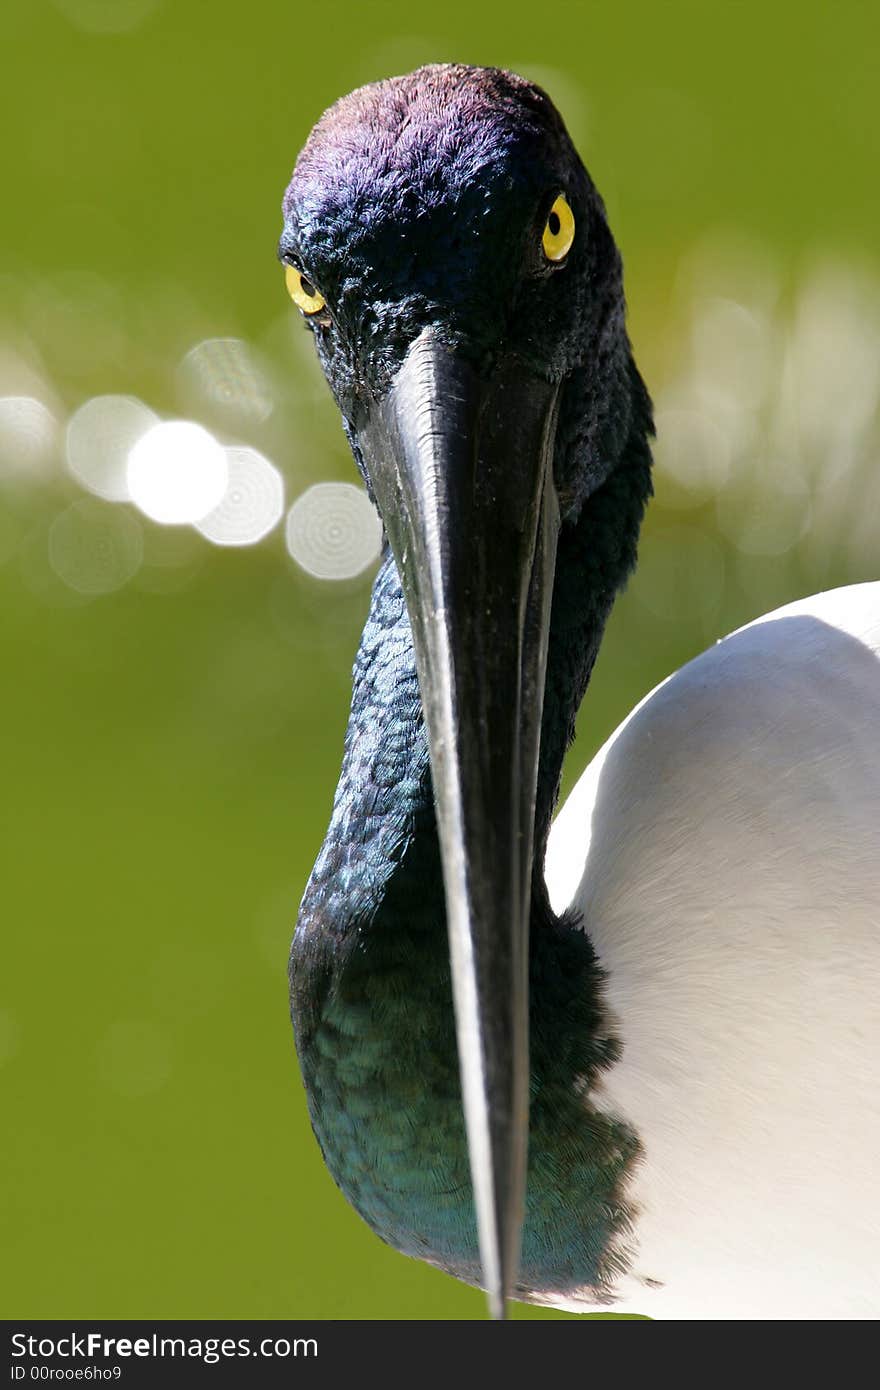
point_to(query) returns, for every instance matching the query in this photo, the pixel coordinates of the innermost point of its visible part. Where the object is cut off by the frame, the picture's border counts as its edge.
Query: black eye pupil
(307, 287)
(554, 223)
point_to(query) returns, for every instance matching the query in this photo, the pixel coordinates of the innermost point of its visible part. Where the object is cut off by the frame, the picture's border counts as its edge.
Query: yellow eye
(559, 231)
(303, 292)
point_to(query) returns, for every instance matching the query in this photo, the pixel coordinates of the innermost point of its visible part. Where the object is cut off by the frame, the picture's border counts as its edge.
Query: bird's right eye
(559, 231)
(303, 293)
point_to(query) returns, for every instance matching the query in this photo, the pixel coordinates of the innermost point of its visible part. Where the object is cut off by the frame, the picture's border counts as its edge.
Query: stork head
(449, 252)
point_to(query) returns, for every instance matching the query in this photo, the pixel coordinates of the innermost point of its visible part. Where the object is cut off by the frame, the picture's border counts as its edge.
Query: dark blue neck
(370, 990)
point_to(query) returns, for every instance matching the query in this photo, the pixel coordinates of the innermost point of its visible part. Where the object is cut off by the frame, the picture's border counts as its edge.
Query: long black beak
(461, 467)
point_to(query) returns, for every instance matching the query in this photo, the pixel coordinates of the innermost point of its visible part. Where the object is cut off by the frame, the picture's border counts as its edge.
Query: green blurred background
(173, 709)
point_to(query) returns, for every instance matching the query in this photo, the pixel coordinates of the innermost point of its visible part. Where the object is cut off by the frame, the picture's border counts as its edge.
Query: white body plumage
(724, 850)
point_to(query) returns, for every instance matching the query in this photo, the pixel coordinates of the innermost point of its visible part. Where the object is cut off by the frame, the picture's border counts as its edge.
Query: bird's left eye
(303, 292)
(558, 231)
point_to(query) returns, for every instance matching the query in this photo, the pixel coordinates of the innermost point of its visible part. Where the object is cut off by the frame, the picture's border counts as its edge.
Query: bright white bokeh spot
(177, 473)
(28, 437)
(95, 549)
(333, 531)
(253, 503)
(224, 372)
(100, 437)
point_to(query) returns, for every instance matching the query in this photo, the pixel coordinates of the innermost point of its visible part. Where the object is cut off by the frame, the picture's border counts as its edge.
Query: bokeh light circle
(177, 473)
(100, 436)
(225, 373)
(333, 531)
(28, 436)
(95, 549)
(253, 502)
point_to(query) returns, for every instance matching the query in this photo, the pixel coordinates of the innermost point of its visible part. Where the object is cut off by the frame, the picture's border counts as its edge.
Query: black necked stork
(629, 1059)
